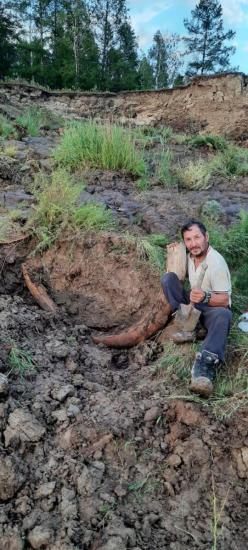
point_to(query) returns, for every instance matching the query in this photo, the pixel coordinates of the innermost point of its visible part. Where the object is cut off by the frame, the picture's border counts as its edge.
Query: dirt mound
(100, 279)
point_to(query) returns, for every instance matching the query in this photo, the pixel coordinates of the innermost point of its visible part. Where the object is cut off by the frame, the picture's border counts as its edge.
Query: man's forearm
(219, 299)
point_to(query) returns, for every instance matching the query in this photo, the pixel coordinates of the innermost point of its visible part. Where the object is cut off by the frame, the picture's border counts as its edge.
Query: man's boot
(203, 373)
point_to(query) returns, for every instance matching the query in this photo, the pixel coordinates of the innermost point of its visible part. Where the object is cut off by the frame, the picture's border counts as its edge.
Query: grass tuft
(231, 162)
(152, 250)
(33, 119)
(7, 129)
(163, 172)
(57, 209)
(20, 361)
(195, 175)
(93, 217)
(106, 146)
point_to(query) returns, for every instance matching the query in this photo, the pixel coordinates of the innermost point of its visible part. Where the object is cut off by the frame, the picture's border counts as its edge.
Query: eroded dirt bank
(216, 104)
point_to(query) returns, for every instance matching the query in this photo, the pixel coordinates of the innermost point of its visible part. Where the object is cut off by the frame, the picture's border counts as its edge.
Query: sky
(148, 16)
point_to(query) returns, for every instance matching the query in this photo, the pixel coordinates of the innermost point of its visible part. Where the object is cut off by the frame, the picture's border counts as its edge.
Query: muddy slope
(97, 450)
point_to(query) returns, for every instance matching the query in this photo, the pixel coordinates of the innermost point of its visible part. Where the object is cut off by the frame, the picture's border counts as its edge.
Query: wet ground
(99, 450)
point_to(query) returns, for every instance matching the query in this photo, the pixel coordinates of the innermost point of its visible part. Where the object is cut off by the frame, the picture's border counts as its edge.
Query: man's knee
(223, 314)
(169, 279)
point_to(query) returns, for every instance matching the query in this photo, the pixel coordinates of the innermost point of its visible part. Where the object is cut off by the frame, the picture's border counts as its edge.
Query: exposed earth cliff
(217, 104)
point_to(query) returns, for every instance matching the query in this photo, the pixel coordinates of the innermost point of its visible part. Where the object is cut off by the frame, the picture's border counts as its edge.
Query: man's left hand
(196, 296)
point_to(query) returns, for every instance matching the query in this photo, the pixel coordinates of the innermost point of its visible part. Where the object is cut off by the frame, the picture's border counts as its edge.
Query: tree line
(91, 45)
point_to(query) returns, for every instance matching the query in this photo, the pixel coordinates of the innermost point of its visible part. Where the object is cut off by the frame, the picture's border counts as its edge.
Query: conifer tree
(145, 74)
(8, 36)
(207, 41)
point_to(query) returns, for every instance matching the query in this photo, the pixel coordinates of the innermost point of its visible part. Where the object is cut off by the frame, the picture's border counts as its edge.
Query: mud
(97, 457)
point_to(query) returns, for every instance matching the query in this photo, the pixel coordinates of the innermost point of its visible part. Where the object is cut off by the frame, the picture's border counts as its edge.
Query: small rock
(60, 394)
(152, 414)
(57, 349)
(174, 460)
(10, 481)
(39, 536)
(4, 385)
(71, 365)
(45, 490)
(120, 491)
(73, 410)
(60, 415)
(24, 427)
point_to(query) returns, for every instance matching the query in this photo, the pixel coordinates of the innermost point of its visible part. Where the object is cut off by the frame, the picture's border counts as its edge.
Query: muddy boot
(182, 336)
(203, 373)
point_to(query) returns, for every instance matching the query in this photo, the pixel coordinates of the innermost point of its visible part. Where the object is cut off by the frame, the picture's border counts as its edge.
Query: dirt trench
(98, 451)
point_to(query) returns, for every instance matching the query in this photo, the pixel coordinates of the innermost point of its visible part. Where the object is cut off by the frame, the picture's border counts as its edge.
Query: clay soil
(99, 450)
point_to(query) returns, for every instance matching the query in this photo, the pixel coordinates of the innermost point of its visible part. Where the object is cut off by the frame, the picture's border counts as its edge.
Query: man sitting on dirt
(212, 299)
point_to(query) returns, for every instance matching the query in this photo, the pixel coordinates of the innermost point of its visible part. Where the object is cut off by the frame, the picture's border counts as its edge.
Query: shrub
(99, 146)
(216, 142)
(195, 175)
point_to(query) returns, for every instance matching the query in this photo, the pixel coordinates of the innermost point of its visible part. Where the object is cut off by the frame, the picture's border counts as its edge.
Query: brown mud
(98, 451)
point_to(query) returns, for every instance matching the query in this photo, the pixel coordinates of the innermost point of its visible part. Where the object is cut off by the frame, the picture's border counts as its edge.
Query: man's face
(195, 241)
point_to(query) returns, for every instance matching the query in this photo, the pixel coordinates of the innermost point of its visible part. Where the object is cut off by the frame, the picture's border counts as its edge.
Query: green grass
(7, 129)
(152, 249)
(34, 118)
(57, 209)
(56, 199)
(163, 172)
(211, 210)
(232, 243)
(93, 217)
(21, 361)
(106, 146)
(143, 183)
(231, 162)
(174, 364)
(31, 119)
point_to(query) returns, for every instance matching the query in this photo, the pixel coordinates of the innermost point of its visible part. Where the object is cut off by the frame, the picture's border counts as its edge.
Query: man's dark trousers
(217, 320)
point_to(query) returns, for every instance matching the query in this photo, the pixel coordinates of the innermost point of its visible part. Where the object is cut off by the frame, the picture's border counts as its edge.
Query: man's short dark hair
(189, 224)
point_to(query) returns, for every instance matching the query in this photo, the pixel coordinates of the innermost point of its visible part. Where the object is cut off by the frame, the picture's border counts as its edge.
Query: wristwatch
(207, 297)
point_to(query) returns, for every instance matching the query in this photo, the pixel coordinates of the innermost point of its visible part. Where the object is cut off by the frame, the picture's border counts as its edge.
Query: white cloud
(146, 15)
(235, 12)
